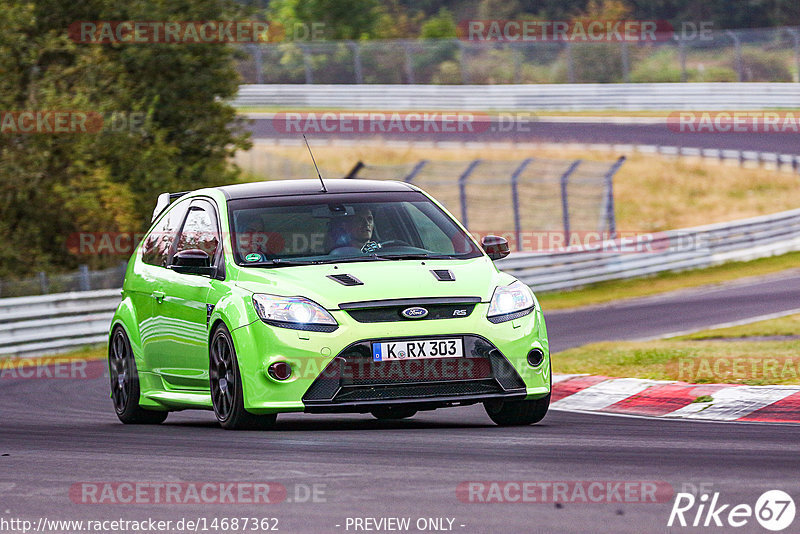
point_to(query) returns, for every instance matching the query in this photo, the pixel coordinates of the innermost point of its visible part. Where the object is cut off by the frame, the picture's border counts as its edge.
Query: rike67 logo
(774, 510)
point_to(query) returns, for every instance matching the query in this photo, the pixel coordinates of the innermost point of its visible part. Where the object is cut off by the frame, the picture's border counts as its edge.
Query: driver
(357, 231)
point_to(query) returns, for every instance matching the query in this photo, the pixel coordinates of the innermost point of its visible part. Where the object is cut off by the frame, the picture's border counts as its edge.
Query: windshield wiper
(277, 262)
(280, 262)
(416, 256)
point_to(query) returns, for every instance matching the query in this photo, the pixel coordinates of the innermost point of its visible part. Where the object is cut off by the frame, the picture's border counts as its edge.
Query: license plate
(417, 349)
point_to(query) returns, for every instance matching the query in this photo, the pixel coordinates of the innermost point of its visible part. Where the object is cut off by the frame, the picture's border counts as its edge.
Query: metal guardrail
(54, 323)
(528, 97)
(676, 250)
(83, 279)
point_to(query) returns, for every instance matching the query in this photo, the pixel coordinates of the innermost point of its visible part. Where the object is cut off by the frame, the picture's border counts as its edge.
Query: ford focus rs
(364, 297)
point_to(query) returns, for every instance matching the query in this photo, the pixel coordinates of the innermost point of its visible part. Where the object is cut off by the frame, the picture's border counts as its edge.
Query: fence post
(84, 283)
(682, 56)
(355, 170)
(462, 190)
(570, 63)
(626, 66)
(409, 64)
(515, 55)
(796, 36)
(43, 283)
(122, 268)
(462, 63)
(515, 201)
(608, 199)
(307, 65)
(259, 61)
(415, 171)
(565, 199)
(737, 45)
(356, 62)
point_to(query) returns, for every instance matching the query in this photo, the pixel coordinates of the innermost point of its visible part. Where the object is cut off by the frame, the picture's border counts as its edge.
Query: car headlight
(510, 302)
(294, 312)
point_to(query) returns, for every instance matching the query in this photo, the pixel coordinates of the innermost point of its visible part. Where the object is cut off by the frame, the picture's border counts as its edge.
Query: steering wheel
(394, 243)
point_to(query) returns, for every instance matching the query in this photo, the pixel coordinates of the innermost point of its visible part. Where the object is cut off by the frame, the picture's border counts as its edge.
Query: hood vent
(443, 275)
(346, 279)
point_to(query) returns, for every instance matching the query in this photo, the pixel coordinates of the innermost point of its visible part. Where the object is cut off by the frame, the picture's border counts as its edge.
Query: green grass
(604, 292)
(691, 359)
(741, 362)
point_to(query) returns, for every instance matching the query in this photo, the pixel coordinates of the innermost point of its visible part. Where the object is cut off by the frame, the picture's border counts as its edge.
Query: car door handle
(159, 296)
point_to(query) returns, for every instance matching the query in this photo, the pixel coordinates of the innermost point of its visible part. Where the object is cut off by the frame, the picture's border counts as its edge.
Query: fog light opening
(280, 371)
(535, 357)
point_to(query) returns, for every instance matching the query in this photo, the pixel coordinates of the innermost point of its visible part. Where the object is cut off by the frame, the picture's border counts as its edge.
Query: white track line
(740, 322)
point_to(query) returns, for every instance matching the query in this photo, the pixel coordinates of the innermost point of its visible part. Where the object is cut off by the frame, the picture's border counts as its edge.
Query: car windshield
(344, 227)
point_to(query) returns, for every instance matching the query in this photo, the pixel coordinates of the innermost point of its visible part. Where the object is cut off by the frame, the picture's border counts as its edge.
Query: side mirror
(495, 246)
(193, 261)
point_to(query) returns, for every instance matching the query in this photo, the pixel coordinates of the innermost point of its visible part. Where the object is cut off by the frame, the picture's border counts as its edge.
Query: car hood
(393, 279)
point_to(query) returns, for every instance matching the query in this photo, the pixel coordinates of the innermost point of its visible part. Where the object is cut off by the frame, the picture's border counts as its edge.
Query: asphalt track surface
(679, 311)
(547, 131)
(58, 433)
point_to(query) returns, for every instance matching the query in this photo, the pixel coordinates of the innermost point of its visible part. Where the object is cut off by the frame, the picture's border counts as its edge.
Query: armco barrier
(527, 97)
(53, 323)
(676, 250)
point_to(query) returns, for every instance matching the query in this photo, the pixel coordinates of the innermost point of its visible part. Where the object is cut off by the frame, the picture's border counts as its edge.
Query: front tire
(226, 387)
(392, 413)
(517, 413)
(125, 383)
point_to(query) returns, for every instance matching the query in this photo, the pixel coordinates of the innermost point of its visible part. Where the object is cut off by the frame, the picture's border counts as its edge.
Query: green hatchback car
(364, 297)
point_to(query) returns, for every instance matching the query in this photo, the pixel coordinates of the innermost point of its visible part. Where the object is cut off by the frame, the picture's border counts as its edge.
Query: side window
(156, 247)
(200, 230)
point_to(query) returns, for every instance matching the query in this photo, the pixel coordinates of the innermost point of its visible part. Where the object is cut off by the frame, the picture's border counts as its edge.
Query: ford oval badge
(414, 312)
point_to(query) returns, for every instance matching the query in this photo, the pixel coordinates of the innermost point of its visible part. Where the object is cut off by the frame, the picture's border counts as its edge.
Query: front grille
(354, 378)
(391, 310)
(417, 391)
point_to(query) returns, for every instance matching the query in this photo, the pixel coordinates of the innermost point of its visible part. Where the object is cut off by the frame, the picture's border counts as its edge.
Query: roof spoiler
(163, 202)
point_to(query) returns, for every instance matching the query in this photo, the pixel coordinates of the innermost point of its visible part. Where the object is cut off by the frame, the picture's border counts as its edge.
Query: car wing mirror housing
(193, 261)
(495, 246)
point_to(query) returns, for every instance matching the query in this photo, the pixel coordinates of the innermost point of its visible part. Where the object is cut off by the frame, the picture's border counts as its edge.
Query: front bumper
(334, 372)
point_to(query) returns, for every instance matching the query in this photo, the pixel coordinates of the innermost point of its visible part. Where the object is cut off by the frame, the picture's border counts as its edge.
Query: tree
(440, 26)
(56, 185)
(341, 19)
